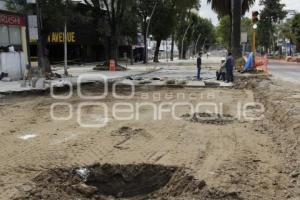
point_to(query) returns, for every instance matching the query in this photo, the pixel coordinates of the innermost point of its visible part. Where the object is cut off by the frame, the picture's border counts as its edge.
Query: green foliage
(198, 26)
(232, 9)
(271, 14)
(129, 28)
(206, 30)
(223, 30)
(273, 11)
(223, 8)
(163, 21)
(16, 5)
(53, 13)
(295, 29)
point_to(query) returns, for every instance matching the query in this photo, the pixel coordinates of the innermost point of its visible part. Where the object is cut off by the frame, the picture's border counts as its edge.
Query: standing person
(199, 63)
(229, 68)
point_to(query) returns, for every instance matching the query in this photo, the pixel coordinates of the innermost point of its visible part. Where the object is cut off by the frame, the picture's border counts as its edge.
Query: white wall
(13, 63)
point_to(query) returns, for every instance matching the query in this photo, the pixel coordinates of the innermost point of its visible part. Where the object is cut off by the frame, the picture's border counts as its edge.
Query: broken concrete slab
(195, 84)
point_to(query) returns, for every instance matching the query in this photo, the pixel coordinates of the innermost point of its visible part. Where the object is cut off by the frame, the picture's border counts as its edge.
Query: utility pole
(254, 22)
(147, 30)
(39, 41)
(66, 41)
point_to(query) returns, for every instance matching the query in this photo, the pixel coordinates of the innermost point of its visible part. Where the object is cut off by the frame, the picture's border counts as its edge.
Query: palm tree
(234, 9)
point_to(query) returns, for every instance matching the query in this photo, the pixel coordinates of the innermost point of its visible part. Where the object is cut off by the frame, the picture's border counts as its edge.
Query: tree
(184, 28)
(224, 31)
(129, 29)
(271, 14)
(146, 10)
(114, 16)
(183, 13)
(163, 24)
(16, 5)
(204, 34)
(285, 31)
(295, 29)
(199, 33)
(236, 28)
(224, 34)
(234, 9)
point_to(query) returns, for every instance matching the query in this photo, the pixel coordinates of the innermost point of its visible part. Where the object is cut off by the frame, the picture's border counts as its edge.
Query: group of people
(225, 72)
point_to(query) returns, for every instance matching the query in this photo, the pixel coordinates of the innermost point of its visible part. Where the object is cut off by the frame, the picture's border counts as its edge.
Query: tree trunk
(230, 31)
(131, 55)
(236, 28)
(172, 47)
(156, 54)
(182, 51)
(43, 54)
(114, 44)
(185, 49)
(145, 42)
(291, 43)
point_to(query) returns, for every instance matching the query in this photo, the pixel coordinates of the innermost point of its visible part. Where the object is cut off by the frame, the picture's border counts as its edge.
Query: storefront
(13, 34)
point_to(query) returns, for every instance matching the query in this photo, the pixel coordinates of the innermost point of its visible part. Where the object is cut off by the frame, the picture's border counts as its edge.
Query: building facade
(13, 43)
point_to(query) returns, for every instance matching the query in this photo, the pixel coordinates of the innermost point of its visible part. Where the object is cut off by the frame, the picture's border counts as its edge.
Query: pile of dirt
(127, 132)
(121, 182)
(281, 122)
(209, 118)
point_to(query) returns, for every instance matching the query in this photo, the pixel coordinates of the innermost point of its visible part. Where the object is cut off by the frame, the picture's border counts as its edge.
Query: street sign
(244, 37)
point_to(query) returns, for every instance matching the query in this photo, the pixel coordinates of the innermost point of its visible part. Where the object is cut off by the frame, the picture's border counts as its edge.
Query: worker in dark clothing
(199, 63)
(229, 68)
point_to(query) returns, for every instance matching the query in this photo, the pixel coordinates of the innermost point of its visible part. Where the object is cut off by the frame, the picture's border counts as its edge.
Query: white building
(12, 34)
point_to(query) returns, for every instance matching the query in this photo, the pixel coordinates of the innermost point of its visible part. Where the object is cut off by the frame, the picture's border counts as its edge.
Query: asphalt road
(285, 71)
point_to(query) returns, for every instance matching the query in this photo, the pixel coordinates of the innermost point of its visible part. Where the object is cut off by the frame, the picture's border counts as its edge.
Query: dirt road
(241, 157)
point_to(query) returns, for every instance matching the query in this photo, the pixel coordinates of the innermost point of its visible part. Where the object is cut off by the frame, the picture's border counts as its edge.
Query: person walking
(229, 68)
(199, 63)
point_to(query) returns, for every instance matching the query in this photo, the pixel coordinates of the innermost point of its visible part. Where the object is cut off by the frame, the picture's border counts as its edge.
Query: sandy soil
(244, 157)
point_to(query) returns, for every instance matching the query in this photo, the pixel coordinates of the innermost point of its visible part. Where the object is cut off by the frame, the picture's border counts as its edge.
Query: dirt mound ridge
(122, 182)
(209, 118)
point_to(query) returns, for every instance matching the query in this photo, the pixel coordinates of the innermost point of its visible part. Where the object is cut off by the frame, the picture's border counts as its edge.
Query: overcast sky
(206, 11)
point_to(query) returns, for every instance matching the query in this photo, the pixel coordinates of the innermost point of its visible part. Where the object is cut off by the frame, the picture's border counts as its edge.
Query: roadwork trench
(141, 181)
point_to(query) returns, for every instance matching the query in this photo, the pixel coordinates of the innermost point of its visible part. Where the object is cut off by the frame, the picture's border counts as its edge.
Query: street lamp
(66, 41)
(147, 30)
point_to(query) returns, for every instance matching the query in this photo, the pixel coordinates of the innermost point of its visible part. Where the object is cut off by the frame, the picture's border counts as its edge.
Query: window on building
(15, 35)
(4, 36)
(10, 35)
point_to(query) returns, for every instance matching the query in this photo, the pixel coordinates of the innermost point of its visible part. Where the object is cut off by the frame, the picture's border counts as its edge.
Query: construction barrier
(112, 65)
(262, 63)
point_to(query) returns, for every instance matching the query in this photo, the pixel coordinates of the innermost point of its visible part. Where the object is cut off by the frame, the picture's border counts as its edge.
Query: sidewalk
(177, 69)
(75, 72)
